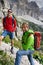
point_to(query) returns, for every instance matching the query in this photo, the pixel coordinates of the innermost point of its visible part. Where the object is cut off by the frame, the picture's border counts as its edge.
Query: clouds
(39, 2)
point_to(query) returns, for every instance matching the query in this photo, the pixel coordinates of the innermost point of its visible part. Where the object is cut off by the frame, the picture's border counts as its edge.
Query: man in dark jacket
(9, 25)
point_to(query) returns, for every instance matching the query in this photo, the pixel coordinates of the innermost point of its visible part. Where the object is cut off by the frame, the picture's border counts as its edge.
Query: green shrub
(16, 43)
(6, 59)
(38, 56)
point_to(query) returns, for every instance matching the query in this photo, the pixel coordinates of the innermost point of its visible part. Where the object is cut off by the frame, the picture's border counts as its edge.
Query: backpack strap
(4, 21)
(13, 21)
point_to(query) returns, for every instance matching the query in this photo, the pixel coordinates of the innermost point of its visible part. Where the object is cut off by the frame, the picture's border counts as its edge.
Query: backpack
(37, 40)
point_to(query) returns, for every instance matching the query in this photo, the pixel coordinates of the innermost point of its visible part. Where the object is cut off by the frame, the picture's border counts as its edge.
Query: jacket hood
(31, 31)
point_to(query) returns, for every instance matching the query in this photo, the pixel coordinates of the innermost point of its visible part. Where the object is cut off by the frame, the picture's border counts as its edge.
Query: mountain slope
(31, 19)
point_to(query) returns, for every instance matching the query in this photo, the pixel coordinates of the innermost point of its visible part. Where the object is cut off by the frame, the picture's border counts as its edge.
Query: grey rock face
(22, 7)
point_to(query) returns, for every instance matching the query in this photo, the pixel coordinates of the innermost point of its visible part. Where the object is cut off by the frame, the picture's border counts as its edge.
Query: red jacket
(8, 26)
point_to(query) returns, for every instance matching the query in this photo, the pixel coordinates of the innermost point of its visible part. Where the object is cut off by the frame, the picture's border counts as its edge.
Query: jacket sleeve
(15, 25)
(30, 41)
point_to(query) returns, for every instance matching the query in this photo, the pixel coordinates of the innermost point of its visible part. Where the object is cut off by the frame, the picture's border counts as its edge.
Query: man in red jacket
(9, 25)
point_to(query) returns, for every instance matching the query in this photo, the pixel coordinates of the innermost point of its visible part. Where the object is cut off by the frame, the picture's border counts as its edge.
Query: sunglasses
(10, 11)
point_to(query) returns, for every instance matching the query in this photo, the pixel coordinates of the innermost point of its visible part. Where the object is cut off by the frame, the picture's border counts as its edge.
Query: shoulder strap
(4, 21)
(30, 34)
(12, 21)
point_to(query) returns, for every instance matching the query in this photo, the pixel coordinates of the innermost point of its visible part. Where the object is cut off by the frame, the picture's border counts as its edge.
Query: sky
(39, 2)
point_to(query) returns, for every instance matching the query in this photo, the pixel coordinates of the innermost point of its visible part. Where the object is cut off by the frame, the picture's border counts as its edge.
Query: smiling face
(25, 27)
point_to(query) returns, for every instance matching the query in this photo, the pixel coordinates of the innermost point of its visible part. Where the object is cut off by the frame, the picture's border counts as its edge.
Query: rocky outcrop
(41, 14)
(21, 7)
